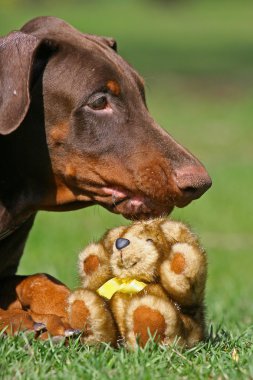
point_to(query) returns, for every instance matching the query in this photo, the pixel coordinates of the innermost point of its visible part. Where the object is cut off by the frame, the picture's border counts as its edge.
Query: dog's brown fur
(75, 131)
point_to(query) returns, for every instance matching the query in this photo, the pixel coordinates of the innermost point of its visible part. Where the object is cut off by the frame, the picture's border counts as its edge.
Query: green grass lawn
(197, 60)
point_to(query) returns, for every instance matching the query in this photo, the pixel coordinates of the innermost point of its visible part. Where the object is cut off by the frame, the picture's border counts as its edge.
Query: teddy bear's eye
(150, 240)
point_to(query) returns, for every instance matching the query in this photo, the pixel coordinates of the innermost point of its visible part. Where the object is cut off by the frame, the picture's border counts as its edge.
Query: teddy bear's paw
(184, 274)
(94, 266)
(88, 312)
(150, 317)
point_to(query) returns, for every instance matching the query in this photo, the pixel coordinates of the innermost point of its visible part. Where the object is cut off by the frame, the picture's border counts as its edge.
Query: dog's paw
(51, 325)
(14, 321)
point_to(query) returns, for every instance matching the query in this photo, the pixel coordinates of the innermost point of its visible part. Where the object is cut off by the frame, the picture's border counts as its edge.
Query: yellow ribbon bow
(123, 285)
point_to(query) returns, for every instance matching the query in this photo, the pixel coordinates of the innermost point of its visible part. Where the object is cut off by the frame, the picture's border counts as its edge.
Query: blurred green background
(197, 59)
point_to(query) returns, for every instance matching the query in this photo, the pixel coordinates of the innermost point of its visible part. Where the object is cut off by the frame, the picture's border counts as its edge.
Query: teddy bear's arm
(94, 266)
(183, 272)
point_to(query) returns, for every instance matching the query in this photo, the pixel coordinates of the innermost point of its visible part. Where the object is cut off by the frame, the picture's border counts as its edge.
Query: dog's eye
(150, 240)
(99, 103)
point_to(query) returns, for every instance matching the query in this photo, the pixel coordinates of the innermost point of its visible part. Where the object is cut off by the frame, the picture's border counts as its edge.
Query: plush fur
(165, 255)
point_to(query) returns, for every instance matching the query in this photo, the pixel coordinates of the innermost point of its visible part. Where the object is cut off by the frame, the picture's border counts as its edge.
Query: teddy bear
(139, 281)
(142, 281)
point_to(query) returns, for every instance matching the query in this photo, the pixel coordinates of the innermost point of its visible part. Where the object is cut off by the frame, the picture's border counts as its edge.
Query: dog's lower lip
(132, 208)
(183, 203)
(132, 205)
(117, 203)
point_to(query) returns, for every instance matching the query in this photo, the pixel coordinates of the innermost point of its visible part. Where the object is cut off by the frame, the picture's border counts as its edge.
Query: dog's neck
(12, 246)
(12, 220)
(5, 233)
(25, 171)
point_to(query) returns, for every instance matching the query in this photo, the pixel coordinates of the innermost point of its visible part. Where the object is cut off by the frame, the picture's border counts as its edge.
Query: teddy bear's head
(136, 251)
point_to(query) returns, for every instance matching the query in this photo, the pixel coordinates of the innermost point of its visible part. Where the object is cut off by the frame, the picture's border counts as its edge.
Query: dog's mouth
(130, 203)
(133, 206)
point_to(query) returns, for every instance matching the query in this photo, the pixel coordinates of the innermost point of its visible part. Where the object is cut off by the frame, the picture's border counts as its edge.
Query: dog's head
(103, 146)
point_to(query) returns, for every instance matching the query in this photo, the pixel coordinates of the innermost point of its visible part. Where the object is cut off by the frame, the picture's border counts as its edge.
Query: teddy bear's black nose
(122, 243)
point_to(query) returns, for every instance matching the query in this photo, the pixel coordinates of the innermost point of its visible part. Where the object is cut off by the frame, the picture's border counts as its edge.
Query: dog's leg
(38, 298)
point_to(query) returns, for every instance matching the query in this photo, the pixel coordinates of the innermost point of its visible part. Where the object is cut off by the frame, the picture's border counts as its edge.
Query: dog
(75, 131)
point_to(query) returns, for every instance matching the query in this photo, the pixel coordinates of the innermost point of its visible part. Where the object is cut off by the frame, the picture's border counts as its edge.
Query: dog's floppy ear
(17, 56)
(61, 31)
(110, 41)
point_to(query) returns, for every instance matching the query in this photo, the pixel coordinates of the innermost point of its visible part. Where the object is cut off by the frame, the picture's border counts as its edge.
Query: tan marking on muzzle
(63, 193)
(58, 132)
(70, 171)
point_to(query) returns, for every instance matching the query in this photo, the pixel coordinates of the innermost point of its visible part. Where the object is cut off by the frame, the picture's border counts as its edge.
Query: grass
(197, 61)
(224, 356)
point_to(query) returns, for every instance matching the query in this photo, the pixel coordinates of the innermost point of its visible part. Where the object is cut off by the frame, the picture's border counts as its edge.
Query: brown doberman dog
(75, 131)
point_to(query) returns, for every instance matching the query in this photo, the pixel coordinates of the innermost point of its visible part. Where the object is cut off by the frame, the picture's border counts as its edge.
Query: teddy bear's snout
(122, 243)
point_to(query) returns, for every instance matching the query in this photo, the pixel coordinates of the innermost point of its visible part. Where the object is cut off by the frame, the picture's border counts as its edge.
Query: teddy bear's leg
(119, 305)
(194, 326)
(149, 316)
(183, 274)
(88, 312)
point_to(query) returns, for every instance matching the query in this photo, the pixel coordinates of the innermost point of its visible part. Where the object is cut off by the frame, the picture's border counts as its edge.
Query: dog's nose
(122, 243)
(192, 181)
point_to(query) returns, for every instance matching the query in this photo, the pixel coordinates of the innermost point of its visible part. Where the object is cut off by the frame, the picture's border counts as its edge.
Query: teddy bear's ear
(111, 236)
(177, 232)
(94, 266)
